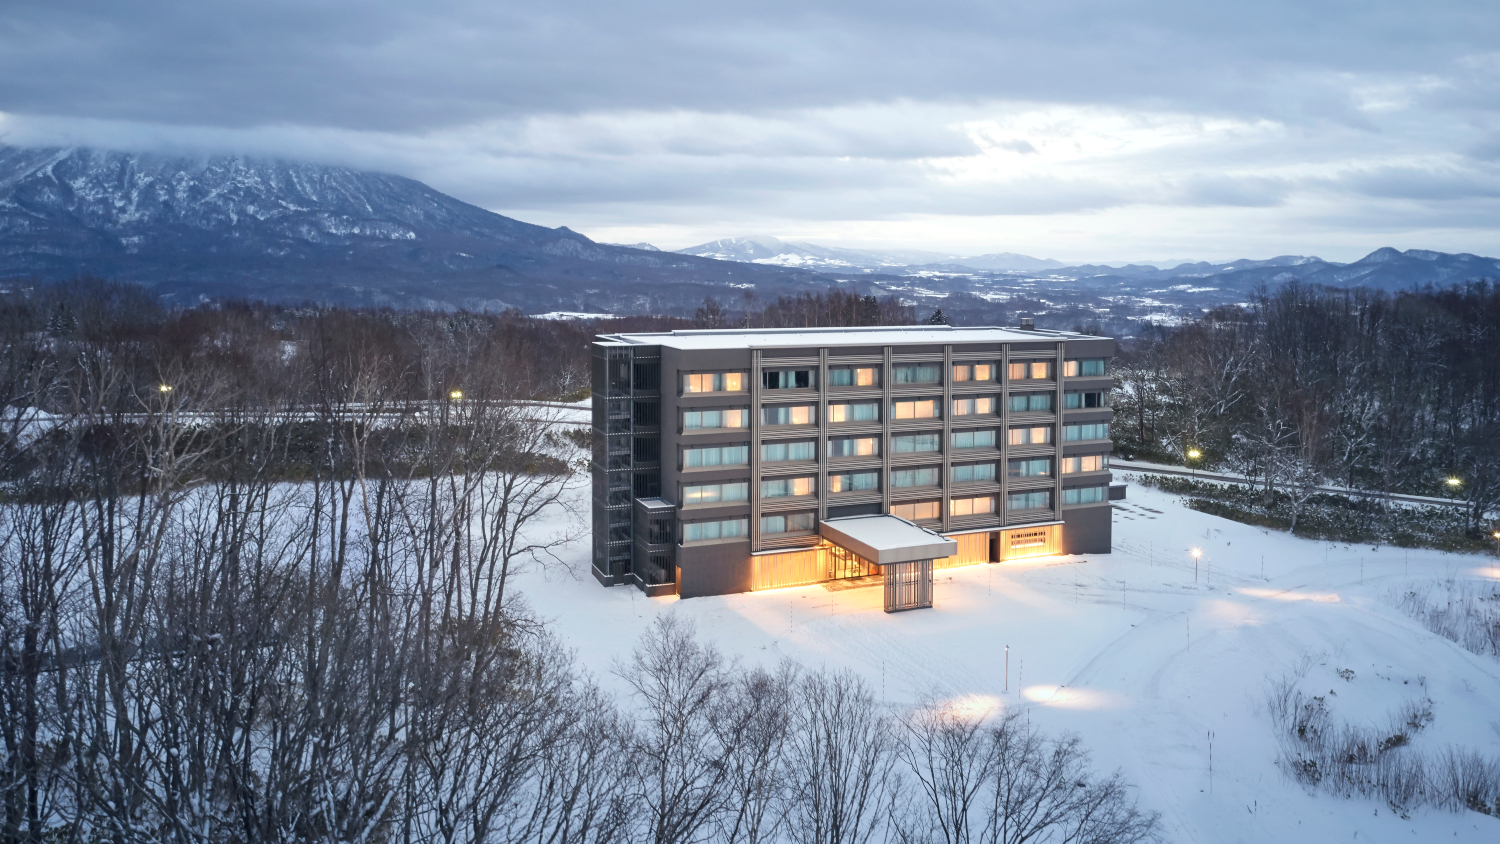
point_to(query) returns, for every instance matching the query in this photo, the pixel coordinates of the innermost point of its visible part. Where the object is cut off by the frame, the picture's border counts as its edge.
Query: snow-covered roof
(886, 539)
(761, 338)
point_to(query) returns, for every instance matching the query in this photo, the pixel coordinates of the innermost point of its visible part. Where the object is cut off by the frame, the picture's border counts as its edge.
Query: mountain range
(228, 226)
(192, 228)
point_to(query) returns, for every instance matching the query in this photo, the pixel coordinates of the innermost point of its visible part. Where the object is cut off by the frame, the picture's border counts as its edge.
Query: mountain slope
(770, 250)
(231, 226)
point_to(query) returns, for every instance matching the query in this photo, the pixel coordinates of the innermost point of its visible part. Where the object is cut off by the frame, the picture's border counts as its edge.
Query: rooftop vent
(1028, 324)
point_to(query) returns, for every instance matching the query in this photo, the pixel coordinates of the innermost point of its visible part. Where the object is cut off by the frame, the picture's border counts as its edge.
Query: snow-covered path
(1128, 651)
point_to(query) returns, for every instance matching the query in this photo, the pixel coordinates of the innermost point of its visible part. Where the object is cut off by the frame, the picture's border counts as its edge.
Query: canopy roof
(886, 539)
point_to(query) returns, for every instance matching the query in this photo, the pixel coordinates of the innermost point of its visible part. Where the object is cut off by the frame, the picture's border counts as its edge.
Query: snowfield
(1132, 654)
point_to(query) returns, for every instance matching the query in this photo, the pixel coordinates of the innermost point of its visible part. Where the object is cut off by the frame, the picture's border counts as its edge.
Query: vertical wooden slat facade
(908, 586)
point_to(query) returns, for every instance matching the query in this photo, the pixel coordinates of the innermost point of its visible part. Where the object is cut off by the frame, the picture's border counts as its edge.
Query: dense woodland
(1311, 386)
(257, 584)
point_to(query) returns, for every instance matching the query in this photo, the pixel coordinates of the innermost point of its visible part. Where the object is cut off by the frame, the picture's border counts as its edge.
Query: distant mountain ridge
(764, 249)
(194, 227)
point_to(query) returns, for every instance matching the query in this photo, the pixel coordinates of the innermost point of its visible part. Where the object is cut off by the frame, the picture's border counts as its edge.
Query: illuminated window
(854, 412)
(714, 493)
(915, 409)
(852, 376)
(787, 487)
(916, 511)
(974, 406)
(975, 371)
(1020, 539)
(797, 414)
(1036, 435)
(853, 447)
(714, 382)
(977, 506)
(1084, 367)
(698, 420)
(1085, 463)
(1031, 370)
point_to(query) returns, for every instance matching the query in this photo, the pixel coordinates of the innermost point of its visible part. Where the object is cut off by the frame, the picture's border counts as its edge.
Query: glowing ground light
(456, 395)
(163, 389)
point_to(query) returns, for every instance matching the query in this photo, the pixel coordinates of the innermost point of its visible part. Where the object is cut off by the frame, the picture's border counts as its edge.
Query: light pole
(1007, 669)
(1193, 455)
(1197, 553)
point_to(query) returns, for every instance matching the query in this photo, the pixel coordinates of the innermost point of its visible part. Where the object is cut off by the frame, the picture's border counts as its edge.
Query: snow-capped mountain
(1386, 268)
(765, 249)
(233, 226)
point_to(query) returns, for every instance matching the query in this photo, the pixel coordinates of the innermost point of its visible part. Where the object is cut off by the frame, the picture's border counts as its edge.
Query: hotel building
(746, 459)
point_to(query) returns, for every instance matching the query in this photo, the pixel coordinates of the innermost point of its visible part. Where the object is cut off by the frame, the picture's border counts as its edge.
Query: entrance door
(844, 563)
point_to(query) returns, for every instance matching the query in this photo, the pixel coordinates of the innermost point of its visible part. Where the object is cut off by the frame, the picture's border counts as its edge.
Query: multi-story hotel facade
(737, 460)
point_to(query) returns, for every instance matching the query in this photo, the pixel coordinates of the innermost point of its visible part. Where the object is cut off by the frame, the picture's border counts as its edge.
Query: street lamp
(1455, 483)
(163, 388)
(1197, 554)
(456, 395)
(1193, 454)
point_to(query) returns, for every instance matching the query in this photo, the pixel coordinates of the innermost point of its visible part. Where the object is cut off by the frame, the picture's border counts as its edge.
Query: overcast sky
(1140, 130)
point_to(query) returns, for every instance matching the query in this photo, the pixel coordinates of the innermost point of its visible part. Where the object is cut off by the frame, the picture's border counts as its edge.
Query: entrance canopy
(885, 540)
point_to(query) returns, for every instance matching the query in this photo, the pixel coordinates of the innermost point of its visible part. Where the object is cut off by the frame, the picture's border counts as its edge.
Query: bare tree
(840, 760)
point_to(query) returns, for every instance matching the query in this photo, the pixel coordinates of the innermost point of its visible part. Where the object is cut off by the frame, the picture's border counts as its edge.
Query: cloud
(958, 126)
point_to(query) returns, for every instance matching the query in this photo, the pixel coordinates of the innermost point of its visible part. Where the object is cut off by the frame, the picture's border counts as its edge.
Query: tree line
(1309, 385)
(257, 572)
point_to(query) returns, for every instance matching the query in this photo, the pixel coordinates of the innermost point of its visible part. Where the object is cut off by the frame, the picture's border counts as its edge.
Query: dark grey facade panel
(1086, 530)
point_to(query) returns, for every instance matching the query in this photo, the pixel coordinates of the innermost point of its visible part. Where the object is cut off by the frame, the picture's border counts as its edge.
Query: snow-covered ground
(1133, 653)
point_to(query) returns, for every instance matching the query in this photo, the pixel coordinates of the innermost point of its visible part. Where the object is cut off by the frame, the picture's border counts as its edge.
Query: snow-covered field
(1133, 653)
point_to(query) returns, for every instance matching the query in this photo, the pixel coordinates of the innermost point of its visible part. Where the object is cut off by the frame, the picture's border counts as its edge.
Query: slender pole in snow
(1007, 669)
(1210, 761)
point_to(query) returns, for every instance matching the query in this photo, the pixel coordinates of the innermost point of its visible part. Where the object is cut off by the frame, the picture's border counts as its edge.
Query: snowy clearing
(1132, 654)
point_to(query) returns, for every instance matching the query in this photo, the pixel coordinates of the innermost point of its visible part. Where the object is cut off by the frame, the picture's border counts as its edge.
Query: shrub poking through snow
(1326, 754)
(1464, 612)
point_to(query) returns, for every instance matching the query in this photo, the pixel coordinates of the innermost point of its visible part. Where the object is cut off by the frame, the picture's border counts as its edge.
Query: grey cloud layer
(783, 114)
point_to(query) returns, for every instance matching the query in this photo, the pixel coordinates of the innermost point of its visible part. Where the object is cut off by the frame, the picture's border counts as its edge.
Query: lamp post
(1197, 553)
(1193, 454)
(1007, 669)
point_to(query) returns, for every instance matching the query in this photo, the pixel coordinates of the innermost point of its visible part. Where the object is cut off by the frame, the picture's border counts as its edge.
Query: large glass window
(718, 455)
(1034, 500)
(1074, 401)
(853, 376)
(968, 473)
(787, 379)
(916, 443)
(787, 487)
(1030, 402)
(854, 482)
(1084, 367)
(975, 371)
(1085, 463)
(1033, 435)
(1036, 467)
(915, 409)
(927, 476)
(974, 439)
(974, 406)
(978, 505)
(714, 493)
(783, 452)
(791, 414)
(711, 531)
(713, 382)
(699, 420)
(854, 412)
(921, 373)
(854, 447)
(1086, 495)
(1095, 431)
(787, 523)
(1030, 370)
(917, 511)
